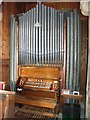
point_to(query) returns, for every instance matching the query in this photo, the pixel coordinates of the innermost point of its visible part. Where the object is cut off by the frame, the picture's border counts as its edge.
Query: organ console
(39, 86)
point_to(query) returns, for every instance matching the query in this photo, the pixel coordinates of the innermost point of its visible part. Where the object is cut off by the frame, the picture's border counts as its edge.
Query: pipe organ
(41, 45)
(40, 40)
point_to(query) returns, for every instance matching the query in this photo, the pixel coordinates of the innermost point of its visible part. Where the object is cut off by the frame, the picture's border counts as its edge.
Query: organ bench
(39, 86)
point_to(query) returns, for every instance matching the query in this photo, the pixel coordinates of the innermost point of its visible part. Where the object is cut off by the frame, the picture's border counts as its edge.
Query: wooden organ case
(39, 86)
(41, 57)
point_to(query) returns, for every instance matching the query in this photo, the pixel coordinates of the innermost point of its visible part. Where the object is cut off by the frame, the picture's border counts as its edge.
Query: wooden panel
(8, 9)
(7, 103)
(44, 94)
(40, 72)
(56, 5)
(37, 102)
(84, 46)
(5, 72)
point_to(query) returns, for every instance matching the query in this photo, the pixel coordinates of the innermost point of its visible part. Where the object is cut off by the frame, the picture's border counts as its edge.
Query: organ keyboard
(40, 84)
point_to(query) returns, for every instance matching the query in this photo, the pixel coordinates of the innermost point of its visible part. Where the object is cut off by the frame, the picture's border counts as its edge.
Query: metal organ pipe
(41, 45)
(20, 29)
(75, 49)
(25, 43)
(28, 52)
(40, 42)
(71, 54)
(23, 40)
(27, 37)
(13, 60)
(62, 48)
(34, 38)
(15, 56)
(45, 36)
(55, 52)
(51, 38)
(60, 39)
(68, 52)
(11, 52)
(58, 44)
(48, 36)
(79, 53)
(23, 49)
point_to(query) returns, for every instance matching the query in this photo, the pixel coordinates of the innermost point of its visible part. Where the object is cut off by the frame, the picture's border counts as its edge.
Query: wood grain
(40, 72)
(35, 102)
(7, 104)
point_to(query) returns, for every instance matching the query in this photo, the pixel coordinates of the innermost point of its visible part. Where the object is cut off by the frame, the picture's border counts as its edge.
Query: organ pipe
(73, 51)
(79, 53)
(44, 44)
(39, 44)
(75, 48)
(68, 53)
(13, 55)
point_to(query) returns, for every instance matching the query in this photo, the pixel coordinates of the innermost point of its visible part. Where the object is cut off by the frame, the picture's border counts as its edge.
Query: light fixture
(37, 24)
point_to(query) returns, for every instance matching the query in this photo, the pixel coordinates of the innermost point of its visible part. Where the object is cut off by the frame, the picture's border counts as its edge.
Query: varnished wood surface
(39, 72)
(40, 93)
(7, 104)
(8, 9)
(35, 102)
(52, 100)
(38, 76)
(71, 96)
(56, 5)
